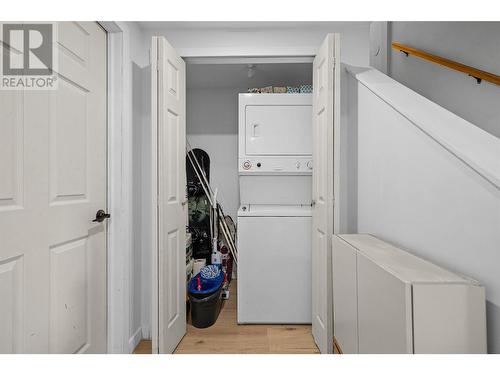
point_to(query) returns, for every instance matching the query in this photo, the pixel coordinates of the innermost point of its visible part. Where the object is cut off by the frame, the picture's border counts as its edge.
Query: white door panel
(52, 182)
(169, 92)
(323, 155)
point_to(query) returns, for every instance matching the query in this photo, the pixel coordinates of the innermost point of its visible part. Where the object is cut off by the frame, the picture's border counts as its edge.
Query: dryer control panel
(279, 165)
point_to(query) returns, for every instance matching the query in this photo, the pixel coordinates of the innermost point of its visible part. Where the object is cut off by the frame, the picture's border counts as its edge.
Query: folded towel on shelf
(306, 89)
(281, 89)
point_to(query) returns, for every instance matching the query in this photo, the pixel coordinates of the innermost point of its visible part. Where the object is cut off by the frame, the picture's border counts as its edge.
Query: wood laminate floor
(227, 337)
(144, 347)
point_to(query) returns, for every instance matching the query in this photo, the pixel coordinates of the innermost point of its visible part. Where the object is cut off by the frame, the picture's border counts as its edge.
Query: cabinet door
(449, 318)
(384, 310)
(345, 296)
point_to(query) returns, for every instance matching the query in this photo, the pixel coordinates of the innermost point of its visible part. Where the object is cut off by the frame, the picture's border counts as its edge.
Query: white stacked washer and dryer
(274, 219)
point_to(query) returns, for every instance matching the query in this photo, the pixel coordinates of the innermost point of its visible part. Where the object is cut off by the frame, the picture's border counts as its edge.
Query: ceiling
(236, 75)
(247, 26)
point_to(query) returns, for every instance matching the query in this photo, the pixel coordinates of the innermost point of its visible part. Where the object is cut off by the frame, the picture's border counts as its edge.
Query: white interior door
(169, 123)
(324, 84)
(52, 182)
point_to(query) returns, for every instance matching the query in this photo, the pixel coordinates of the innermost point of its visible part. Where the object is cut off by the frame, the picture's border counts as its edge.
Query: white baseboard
(134, 340)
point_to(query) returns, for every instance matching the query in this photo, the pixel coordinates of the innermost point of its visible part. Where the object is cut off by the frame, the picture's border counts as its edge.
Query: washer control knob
(297, 165)
(310, 164)
(247, 164)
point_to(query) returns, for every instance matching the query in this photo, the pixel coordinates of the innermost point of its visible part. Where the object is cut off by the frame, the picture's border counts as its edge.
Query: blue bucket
(208, 286)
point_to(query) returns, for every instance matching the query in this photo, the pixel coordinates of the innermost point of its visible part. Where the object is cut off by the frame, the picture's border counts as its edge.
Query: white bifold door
(325, 122)
(169, 195)
(52, 183)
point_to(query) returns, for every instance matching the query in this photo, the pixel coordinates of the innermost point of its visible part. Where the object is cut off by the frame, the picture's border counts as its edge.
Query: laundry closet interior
(249, 152)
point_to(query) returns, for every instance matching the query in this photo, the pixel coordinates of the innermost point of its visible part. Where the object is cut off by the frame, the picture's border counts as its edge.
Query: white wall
(125, 296)
(145, 202)
(379, 46)
(472, 43)
(348, 198)
(212, 125)
(140, 266)
(139, 53)
(262, 38)
(415, 193)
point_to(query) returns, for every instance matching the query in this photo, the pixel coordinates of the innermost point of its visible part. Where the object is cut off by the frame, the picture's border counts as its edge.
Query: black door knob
(100, 216)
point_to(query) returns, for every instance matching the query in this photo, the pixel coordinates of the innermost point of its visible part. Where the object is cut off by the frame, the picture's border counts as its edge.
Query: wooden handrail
(479, 75)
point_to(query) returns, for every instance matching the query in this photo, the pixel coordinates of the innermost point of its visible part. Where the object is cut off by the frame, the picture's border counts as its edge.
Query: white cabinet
(387, 300)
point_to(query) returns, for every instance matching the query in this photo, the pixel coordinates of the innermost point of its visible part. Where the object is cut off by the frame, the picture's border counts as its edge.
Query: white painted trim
(154, 195)
(246, 52)
(134, 340)
(119, 195)
(249, 60)
(115, 287)
(337, 191)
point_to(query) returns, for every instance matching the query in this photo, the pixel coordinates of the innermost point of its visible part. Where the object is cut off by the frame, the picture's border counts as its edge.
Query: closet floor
(227, 337)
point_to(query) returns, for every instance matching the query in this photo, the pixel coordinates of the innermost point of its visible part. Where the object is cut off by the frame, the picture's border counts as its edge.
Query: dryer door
(278, 130)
